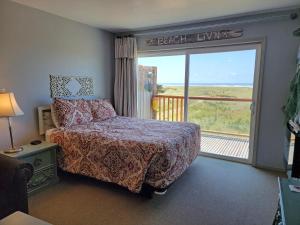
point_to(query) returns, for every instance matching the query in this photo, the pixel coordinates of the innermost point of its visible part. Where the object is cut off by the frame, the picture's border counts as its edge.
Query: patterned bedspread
(128, 151)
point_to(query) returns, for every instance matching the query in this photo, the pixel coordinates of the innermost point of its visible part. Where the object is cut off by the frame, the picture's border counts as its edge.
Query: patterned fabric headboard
(71, 86)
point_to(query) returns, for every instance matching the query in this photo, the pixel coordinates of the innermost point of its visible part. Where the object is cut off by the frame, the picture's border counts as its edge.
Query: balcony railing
(171, 107)
(168, 107)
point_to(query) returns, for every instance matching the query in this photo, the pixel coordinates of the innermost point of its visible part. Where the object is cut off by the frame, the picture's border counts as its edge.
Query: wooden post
(159, 107)
(164, 109)
(168, 108)
(181, 109)
(177, 109)
(173, 108)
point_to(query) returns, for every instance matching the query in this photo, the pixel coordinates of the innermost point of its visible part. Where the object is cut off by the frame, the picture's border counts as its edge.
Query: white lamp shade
(8, 105)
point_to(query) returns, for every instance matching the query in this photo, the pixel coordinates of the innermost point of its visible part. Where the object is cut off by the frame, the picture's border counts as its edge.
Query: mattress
(128, 151)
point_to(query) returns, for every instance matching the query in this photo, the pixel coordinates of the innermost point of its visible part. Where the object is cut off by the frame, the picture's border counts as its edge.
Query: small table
(289, 203)
(43, 159)
(19, 218)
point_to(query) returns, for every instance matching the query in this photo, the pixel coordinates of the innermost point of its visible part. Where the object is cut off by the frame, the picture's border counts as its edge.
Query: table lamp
(9, 108)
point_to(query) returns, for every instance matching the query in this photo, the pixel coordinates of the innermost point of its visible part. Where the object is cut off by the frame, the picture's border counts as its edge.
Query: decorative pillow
(102, 109)
(72, 112)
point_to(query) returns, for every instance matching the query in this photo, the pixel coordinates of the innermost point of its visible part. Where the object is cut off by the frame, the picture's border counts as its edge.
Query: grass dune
(221, 116)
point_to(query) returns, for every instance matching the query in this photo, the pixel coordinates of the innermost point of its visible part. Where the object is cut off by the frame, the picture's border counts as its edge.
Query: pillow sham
(72, 112)
(102, 109)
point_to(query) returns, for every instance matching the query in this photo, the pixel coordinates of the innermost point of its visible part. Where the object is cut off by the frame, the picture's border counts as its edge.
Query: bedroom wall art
(70, 86)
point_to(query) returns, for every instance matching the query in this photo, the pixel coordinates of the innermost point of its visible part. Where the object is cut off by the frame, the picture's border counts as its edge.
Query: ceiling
(129, 15)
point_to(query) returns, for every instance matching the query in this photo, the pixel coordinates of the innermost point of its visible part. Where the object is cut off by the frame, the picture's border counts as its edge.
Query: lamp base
(15, 150)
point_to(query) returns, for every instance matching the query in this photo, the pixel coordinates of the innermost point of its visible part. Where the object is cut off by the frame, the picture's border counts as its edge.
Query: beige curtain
(125, 90)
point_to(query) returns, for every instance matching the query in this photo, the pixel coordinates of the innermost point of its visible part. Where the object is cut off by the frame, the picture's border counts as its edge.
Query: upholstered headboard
(71, 86)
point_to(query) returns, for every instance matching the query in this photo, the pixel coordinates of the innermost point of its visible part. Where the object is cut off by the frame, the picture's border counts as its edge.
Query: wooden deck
(225, 145)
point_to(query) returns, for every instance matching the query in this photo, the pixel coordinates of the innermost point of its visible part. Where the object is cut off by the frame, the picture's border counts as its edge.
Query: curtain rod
(124, 36)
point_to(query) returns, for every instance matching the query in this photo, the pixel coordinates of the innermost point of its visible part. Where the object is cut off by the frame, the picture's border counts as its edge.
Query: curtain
(125, 90)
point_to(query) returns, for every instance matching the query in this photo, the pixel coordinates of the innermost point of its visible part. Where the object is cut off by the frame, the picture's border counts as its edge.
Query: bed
(126, 151)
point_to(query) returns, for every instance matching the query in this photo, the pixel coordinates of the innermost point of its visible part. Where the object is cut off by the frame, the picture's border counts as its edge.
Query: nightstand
(43, 159)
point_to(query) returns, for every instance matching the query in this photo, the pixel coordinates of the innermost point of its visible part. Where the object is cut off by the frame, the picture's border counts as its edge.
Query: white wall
(279, 68)
(34, 44)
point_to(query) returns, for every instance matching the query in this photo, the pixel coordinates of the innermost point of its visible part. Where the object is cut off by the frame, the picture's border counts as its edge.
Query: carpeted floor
(211, 192)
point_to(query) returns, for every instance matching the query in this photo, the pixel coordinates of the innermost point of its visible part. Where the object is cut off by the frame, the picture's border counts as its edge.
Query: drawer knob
(37, 162)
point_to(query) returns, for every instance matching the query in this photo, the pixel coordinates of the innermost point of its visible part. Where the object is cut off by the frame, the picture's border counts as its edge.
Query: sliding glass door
(213, 87)
(220, 93)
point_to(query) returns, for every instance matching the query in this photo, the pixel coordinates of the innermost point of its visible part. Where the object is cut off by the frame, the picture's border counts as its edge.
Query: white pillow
(54, 118)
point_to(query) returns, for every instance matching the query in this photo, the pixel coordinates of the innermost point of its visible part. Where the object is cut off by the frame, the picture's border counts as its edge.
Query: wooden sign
(196, 37)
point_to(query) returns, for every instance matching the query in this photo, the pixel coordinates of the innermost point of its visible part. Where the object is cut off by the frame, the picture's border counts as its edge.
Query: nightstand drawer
(41, 160)
(42, 178)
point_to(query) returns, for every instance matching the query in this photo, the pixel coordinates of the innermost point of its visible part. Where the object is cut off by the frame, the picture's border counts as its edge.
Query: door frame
(260, 44)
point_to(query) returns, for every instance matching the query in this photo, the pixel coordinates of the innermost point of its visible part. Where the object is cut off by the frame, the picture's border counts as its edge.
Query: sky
(235, 67)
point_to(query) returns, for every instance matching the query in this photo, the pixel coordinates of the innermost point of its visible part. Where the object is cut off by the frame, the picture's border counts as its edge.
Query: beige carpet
(211, 192)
